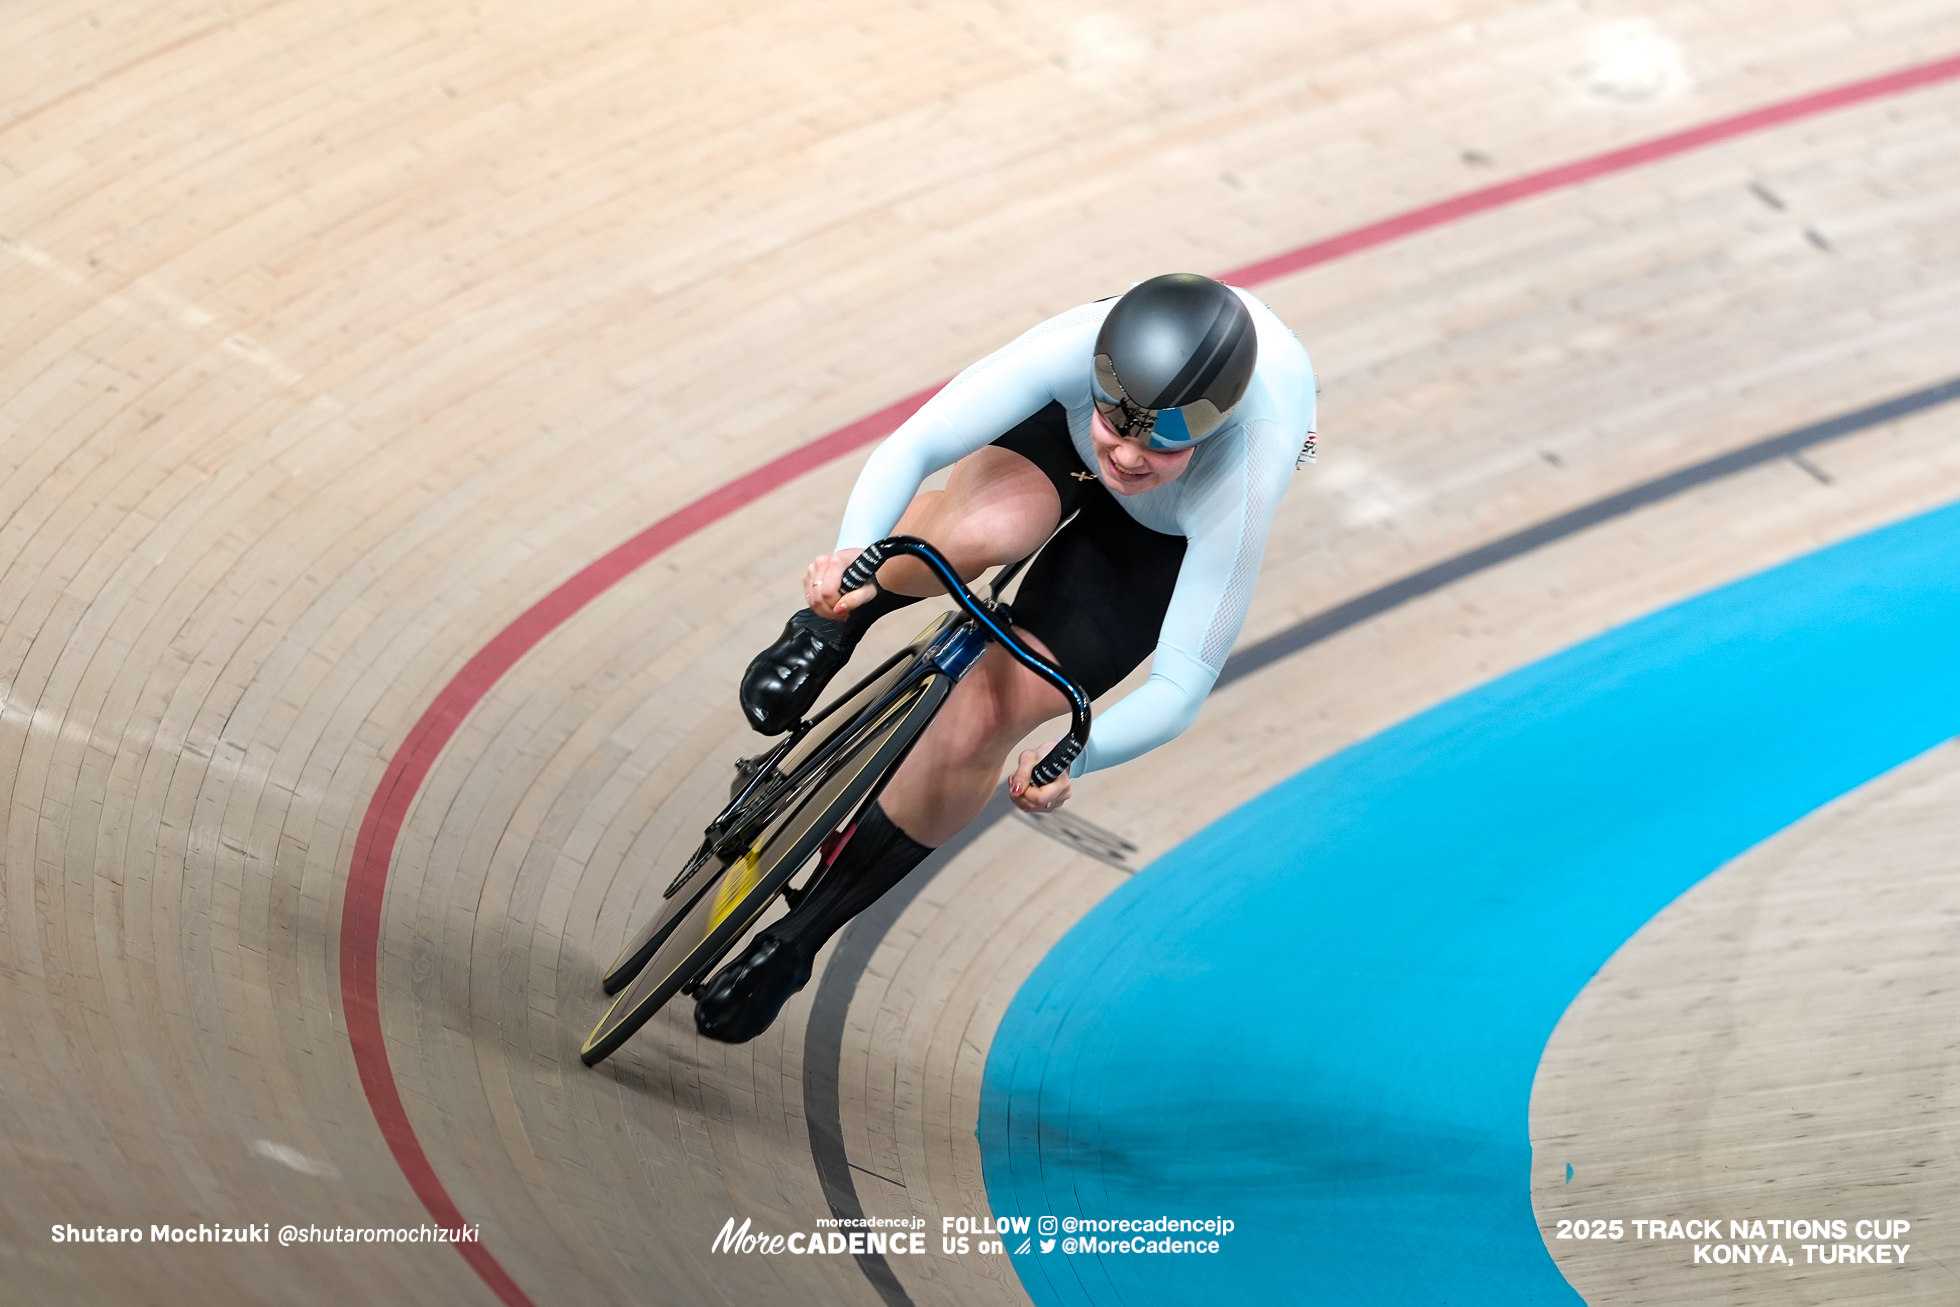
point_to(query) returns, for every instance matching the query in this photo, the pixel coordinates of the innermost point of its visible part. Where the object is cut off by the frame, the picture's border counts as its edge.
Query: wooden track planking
(367, 336)
(1769, 1047)
(1444, 644)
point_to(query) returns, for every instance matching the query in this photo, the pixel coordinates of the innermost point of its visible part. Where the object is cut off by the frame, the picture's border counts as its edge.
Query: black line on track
(823, 1048)
(1359, 609)
(823, 1041)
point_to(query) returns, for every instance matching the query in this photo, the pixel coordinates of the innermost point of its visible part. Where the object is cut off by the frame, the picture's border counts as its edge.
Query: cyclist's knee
(973, 541)
(923, 515)
(996, 508)
(970, 722)
(981, 714)
(967, 543)
(993, 710)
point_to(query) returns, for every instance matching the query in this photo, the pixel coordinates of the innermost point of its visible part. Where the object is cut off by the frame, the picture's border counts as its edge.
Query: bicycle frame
(952, 650)
(802, 769)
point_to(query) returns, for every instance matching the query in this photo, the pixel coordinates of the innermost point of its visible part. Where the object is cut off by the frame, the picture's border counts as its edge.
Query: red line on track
(374, 848)
(1584, 170)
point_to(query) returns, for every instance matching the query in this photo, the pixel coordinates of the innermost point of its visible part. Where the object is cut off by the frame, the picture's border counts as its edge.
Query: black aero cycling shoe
(740, 1001)
(786, 678)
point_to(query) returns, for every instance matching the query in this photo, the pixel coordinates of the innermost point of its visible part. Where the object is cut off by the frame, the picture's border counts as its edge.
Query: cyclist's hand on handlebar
(821, 581)
(1028, 796)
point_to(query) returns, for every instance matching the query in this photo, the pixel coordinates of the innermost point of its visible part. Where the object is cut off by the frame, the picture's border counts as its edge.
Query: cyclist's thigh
(1002, 501)
(996, 507)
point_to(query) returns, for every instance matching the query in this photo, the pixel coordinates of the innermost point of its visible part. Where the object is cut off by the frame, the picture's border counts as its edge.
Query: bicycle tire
(712, 923)
(641, 945)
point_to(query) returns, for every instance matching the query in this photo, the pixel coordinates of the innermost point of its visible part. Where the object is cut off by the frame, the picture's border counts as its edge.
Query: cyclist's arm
(1154, 713)
(1043, 364)
(1227, 527)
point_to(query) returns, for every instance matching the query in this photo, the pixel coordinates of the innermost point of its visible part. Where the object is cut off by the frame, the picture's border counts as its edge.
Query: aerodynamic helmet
(1173, 357)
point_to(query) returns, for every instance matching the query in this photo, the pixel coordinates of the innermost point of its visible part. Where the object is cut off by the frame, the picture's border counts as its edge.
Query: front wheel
(797, 762)
(731, 899)
(648, 937)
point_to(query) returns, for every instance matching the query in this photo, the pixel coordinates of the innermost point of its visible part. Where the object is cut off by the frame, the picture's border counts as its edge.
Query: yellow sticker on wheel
(735, 886)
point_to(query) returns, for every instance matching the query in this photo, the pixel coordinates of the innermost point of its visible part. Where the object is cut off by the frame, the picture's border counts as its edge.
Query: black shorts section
(1096, 594)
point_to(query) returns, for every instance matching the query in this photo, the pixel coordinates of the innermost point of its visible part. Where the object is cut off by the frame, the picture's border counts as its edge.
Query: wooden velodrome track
(333, 340)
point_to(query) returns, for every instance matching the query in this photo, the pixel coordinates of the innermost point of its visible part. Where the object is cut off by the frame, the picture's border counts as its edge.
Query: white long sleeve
(1223, 504)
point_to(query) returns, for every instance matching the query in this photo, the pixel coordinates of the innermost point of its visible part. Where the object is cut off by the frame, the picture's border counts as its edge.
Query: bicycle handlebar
(1066, 749)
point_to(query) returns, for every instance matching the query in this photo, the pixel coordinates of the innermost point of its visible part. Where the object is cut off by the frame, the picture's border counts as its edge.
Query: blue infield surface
(1320, 1017)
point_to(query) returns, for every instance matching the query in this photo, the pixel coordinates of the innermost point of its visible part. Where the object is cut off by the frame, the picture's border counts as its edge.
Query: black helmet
(1172, 358)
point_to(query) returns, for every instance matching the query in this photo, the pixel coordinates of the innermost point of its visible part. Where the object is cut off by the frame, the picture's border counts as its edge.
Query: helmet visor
(1164, 429)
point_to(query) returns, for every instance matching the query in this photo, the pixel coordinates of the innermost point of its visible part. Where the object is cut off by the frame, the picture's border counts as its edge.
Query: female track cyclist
(1167, 423)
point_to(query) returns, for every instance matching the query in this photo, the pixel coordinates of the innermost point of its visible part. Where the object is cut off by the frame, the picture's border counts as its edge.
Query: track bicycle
(795, 803)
